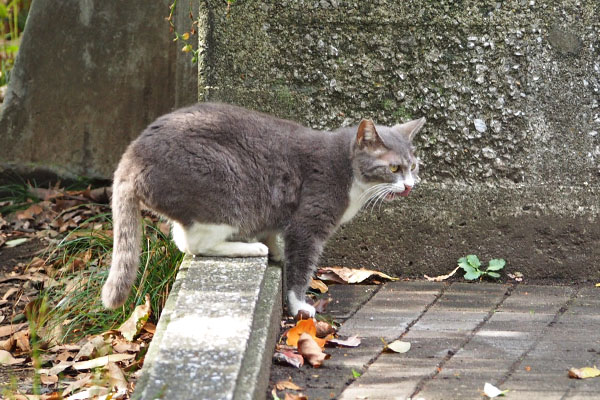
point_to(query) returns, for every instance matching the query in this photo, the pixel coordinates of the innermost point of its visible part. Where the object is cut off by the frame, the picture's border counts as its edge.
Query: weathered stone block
(88, 78)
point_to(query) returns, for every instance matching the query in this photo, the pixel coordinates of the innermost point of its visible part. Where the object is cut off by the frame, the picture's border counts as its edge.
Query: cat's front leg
(302, 251)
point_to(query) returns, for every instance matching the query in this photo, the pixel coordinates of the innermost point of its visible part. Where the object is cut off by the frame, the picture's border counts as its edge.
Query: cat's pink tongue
(406, 191)
(392, 196)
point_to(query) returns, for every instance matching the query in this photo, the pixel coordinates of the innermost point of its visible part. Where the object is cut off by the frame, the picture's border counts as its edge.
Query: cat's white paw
(295, 306)
(257, 250)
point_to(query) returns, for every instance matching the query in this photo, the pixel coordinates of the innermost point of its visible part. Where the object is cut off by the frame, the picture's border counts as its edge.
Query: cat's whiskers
(378, 195)
(369, 192)
(381, 197)
(372, 192)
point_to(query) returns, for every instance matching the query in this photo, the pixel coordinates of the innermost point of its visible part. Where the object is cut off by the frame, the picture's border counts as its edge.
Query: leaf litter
(304, 340)
(72, 370)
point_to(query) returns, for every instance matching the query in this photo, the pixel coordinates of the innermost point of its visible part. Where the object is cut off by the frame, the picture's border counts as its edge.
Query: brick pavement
(519, 337)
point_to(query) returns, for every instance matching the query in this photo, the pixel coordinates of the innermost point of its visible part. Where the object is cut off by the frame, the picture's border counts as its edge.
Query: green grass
(17, 196)
(79, 264)
(75, 308)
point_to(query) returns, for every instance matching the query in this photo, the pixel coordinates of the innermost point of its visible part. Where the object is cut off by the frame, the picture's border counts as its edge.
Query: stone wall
(511, 93)
(90, 75)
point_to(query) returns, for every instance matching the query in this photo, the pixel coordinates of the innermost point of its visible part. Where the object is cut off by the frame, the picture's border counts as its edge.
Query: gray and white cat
(221, 174)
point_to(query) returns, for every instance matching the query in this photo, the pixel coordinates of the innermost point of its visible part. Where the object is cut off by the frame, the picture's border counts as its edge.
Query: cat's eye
(413, 167)
(394, 168)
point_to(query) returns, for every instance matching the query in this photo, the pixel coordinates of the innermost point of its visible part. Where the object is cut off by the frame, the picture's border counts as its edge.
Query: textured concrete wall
(89, 76)
(511, 93)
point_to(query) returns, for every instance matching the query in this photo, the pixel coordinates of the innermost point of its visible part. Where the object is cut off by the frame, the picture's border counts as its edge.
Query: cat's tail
(126, 245)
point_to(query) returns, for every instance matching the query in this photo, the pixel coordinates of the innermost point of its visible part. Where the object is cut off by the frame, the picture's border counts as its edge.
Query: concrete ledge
(215, 337)
(543, 231)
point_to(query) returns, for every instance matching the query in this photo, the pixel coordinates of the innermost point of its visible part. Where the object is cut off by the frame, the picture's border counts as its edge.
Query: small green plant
(472, 267)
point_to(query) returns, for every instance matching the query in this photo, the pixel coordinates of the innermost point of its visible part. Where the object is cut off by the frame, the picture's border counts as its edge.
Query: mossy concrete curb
(216, 334)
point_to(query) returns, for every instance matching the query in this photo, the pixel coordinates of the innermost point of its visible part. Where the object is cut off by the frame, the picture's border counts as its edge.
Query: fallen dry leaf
(15, 242)
(30, 212)
(116, 377)
(7, 344)
(441, 278)
(584, 373)
(7, 295)
(282, 385)
(352, 341)
(398, 346)
(102, 361)
(91, 348)
(92, 392)
(7, 359)
(138, 318)
(48, 379)
(149, 327)
(289, 357)
(21, 339)
(350, 275)
(318, 285)
(57, 369)
(79, 383)
(492, 391)
(324, 329)
(311, 351)
(123, 346)
(305, 326)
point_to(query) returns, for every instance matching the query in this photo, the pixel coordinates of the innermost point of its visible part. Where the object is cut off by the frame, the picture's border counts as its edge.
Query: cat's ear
(409, 129)
(367, 134)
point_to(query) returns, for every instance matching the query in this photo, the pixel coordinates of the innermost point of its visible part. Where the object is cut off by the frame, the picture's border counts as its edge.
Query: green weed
(472, 267)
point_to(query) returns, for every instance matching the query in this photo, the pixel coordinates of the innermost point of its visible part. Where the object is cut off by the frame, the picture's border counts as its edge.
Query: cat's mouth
(391, 196)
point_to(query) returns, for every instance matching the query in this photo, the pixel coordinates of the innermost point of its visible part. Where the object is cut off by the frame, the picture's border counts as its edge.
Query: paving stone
(391, 310)
(446, 389)
(573, 340)
(536, 299)
(346, 299)
(535, 393)
(355, 357)
(486, 370)
(451, 321)
(384, 390)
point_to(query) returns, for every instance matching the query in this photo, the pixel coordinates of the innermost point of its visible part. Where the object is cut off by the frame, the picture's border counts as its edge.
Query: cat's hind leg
(212, 240)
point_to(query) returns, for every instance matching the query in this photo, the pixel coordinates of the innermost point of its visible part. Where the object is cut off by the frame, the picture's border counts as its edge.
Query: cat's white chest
(355, 203)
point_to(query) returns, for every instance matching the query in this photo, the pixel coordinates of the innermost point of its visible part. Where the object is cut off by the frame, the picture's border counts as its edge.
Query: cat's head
(384, 163)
